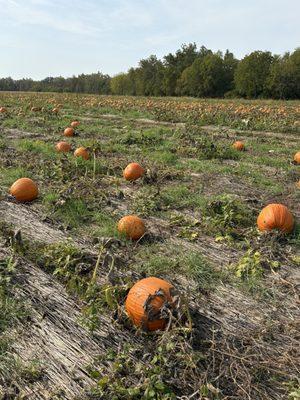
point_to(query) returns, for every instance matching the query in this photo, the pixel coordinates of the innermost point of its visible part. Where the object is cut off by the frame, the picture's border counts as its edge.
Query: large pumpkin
(297, 157)
(238, 145)
(275, 216)
(24, 189)
(74, 124)
(69, 132)
(145, 302)
(133, 171)
(132, 227)
(63, 147)
(82, 152)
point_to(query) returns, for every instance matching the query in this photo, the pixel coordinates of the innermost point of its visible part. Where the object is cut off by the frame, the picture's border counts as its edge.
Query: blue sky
(42, 38)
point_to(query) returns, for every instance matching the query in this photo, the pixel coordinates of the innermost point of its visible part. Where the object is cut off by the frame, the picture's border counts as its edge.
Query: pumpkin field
(149, 248)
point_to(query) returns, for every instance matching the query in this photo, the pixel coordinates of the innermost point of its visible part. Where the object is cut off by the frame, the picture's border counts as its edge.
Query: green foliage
(284, 79)
(193, 265)
(249, 266)
(189, 72)
(252, 73)
(227, 216)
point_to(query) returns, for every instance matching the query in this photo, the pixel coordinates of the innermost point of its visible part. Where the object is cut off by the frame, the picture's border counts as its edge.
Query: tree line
(188, 72)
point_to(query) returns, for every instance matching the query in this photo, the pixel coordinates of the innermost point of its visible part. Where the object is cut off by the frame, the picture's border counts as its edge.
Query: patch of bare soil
(13, 133)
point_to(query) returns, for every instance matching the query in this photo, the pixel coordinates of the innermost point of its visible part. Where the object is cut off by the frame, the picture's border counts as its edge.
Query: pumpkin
(297, 158)
(132, 227)
(55, 110)
(145, 301)
(133, 171)
(275, 216)
(3, 110)
(69, 132)
(238, 145)
(74, 124)
(63, 147)
(82, 152)
(24, 189)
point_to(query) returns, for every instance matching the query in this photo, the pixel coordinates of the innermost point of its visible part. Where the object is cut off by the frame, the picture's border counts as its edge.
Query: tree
(176, 64)
(284, 78)
(251, 74)
(206, 77)
(120, 84)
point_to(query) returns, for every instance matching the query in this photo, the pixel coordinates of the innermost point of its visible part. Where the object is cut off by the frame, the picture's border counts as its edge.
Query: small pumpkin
(238, 145)
(145, 301)
(82, 152)
(132, 227)
(297, 158)
(3, 110)
(69, 132)
(63, 147)
(24, 189)
(275, 216)
(74, 124)
(133, 171)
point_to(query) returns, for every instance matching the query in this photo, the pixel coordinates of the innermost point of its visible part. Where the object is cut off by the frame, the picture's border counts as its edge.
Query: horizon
(111, 37)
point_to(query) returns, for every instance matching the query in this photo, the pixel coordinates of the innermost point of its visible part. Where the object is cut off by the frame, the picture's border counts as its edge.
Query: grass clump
(193, 266)
(227, 217)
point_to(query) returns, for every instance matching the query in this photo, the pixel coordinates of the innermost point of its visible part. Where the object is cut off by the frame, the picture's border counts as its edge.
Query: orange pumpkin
(275, 216)
(145, 301)
(238, 145)
(133, 171)
(297, 157)
(24, 189)
(63, 147)
(3, 110)
(132, 227)
(69, 132)
(82, 152)
(74, 124)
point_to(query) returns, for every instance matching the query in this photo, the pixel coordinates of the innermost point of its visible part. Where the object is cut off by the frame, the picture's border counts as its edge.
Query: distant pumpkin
(24, 189)
(238, 145)
(297, 157)
(132, 227)
(69, 132)
(82, 152)
(133, 171)
(74, 124)
(145, 301)
(275, 216)
(63, 147)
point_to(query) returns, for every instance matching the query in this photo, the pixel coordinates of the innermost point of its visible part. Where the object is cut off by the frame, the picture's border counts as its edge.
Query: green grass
(9, 175)
(157, 261)
(38, 147)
